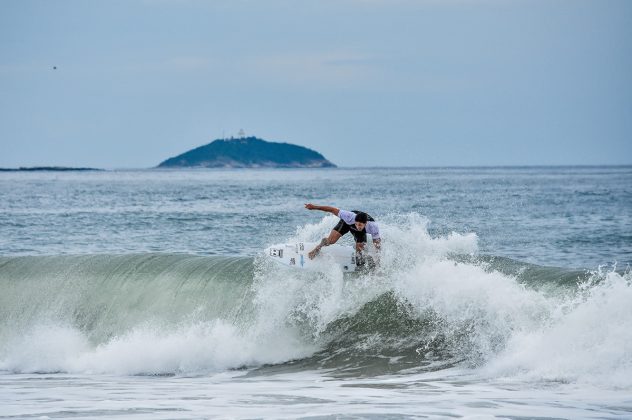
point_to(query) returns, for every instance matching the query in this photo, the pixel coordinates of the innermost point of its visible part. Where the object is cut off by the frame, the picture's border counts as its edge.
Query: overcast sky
(365, 82)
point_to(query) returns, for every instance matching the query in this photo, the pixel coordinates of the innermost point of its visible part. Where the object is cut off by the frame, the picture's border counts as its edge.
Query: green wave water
(174, 313)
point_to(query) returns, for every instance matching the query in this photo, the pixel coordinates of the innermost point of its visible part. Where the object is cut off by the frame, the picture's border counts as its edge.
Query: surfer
(357, 222)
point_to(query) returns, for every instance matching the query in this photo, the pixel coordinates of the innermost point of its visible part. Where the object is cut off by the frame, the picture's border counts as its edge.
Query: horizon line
(53, 168)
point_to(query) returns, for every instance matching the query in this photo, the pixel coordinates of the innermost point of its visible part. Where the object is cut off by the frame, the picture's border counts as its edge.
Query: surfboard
(294, 255)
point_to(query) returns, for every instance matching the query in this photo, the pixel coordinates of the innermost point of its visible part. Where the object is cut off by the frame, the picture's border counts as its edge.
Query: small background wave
(560, 216)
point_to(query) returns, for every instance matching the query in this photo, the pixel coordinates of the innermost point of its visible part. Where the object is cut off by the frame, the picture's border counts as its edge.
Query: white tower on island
(241, 133)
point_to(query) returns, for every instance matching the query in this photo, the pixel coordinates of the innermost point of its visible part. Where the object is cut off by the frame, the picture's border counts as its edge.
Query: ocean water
(501, 293)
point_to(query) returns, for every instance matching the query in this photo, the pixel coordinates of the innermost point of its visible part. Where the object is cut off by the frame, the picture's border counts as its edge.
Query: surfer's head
(360, 220)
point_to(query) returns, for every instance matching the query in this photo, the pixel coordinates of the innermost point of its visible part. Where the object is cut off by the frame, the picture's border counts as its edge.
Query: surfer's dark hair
(361, 217)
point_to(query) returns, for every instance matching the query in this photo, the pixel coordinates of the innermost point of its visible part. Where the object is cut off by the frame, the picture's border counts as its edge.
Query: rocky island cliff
(248, 152)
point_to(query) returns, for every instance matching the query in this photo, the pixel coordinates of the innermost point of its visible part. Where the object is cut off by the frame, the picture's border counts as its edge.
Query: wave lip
(133, 314)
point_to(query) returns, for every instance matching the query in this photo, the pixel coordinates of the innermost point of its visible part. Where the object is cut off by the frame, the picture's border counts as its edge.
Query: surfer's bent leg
(360, 240)
(330, 240)
(360, 243)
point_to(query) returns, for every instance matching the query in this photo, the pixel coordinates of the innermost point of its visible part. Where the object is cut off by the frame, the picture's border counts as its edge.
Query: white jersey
(371, 227)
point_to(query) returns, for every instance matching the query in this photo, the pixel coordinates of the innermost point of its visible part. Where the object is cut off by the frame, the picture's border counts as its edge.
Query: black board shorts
(343, 228)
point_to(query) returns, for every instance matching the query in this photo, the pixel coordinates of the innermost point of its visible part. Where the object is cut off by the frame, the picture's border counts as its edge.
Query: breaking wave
(434, 303)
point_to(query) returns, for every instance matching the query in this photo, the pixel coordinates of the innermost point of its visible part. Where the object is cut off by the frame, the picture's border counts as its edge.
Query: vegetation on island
(248, 152)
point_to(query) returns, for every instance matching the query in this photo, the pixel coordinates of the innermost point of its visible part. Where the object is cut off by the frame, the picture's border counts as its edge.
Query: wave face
(433, 304)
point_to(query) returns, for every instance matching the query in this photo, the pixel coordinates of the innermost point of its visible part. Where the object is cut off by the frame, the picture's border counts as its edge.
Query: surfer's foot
(312, 254)
(315, 251)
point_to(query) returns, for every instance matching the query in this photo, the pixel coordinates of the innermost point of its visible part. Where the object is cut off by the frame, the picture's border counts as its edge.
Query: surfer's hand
(310, 206)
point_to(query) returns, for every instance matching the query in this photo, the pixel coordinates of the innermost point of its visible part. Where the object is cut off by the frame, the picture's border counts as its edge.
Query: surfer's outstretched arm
(328, 209)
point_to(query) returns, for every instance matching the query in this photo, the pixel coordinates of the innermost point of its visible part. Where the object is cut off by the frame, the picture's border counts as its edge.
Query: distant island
(46, 168)
(248, 152)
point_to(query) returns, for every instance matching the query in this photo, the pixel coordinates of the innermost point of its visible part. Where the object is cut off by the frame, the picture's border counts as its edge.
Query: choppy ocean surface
(502, 293)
